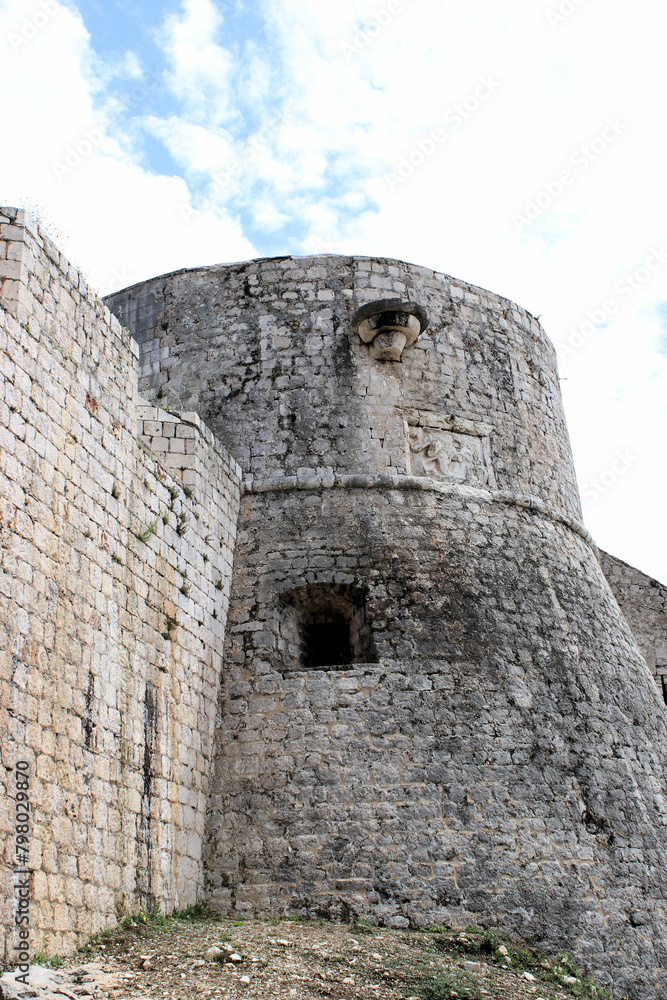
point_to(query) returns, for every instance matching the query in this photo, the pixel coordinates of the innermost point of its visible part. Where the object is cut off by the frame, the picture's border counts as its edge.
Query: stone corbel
(389, 325)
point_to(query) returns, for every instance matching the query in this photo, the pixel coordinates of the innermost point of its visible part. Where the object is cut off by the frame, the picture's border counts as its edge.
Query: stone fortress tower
(431, 708)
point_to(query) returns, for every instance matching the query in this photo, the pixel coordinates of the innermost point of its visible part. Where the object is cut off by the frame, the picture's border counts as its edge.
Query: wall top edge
(296, 260)
(20, 219)
(650, 580)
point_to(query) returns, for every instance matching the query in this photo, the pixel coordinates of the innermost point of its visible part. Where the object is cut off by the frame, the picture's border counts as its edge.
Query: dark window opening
(326, 625)
(664, 688)
(327, 643)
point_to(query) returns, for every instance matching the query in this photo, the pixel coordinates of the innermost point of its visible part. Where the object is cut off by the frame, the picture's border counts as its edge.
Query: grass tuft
(170, 628)
(144, 535)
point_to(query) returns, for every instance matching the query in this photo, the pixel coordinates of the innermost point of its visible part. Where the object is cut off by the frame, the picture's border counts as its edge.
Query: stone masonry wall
(643, 601)
(117, 528)
(495, 750)
(501, 764)
(264, 352)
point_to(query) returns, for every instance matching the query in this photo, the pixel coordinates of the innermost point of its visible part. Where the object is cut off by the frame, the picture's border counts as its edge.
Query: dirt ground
(311, 960)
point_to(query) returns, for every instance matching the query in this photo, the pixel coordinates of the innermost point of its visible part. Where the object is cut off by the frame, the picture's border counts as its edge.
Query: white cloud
(118, 221)
(193, 147)
(308, 117)
(200, 69)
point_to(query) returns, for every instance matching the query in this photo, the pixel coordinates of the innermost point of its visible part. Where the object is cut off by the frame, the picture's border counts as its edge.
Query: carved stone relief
(389, 325)
(451, 453)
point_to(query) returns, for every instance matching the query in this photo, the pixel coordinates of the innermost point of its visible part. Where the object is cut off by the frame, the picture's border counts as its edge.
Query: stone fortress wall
(491, 747)
(643, 602)
(117, 529)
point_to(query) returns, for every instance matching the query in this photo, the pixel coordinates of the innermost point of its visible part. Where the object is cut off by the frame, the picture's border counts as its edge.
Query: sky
(516, 145)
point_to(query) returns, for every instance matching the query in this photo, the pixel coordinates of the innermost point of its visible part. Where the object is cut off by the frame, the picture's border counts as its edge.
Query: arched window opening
(326, 627)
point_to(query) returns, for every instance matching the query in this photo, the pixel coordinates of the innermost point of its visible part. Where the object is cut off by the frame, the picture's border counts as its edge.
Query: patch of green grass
(524, 958)
(146, 533)
(199, 911)
(155, 915)
(117, 559)
(440, 985)
(92, 945)
(564, 965)
(170, 628)
(362, 927)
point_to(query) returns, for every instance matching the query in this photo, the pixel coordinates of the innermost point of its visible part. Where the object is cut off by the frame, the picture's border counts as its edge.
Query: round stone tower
(432, 710)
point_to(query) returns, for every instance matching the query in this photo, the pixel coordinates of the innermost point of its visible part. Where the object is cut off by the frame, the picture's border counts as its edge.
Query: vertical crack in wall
(145, 883)
(88, 724)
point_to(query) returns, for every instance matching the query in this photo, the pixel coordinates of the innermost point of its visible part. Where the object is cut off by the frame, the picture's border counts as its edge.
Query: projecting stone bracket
(389, 325)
